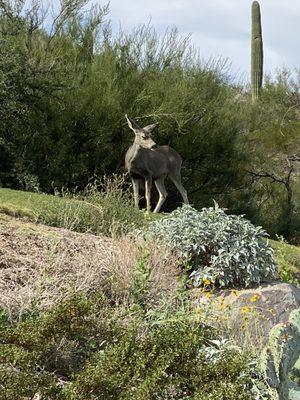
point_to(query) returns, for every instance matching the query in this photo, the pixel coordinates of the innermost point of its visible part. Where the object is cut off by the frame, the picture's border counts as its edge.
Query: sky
(221, 28)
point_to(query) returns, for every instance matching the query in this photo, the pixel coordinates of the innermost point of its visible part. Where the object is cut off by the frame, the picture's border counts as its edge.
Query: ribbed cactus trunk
(256, 52)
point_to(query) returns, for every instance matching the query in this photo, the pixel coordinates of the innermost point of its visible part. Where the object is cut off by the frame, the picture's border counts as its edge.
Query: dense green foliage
(220, 249)
(274, 167)
(88, 348)
(64, 91)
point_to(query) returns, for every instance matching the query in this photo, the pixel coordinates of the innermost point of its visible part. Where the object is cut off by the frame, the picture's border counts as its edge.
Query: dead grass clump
(162, 265)
(40, 266)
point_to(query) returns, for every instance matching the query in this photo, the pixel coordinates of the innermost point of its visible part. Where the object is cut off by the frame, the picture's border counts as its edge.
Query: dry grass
(40, 265)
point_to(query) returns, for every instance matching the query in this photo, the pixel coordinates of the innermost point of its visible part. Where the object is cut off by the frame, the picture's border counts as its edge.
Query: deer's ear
(149, 128)
(131, 123)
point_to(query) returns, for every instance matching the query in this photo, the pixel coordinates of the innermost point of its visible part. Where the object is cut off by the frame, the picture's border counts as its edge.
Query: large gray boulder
(250, 312)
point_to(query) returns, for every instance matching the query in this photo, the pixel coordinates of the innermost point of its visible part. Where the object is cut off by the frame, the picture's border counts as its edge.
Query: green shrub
(88, 348)
(215, 247)
(36, 352)
(169, 362)
(140, 281)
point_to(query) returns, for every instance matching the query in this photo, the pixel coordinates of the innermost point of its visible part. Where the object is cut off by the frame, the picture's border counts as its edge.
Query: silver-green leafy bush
(222, 249)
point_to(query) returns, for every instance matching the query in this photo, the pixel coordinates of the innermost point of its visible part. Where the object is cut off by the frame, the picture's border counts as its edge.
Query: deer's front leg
(136, 191)
(148, 184)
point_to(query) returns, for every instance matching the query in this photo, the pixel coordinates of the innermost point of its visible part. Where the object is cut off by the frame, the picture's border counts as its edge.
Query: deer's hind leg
(176, 179)
(160, 185)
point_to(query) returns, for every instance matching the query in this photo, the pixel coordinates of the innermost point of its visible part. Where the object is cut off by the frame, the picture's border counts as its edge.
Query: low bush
(170, 362)
(87, 348)
(216, 248)
(42, 350)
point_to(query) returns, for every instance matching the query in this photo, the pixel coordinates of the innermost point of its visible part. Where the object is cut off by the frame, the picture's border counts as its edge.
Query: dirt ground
(40, 265)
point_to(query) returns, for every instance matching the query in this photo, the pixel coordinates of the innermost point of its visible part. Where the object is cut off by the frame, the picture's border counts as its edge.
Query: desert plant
(140, 281)
(216, 248)
(172, 361)
(38, 350)
(256, 52)
(87, 347)
(279, 358)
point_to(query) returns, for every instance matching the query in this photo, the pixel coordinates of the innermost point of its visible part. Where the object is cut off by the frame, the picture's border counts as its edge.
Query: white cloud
(221, 27)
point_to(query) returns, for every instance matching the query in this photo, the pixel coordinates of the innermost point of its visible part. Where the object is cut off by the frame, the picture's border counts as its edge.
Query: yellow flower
(206, 281)
(234, 292)
(245, 310)
(207, 295)
(254, 298)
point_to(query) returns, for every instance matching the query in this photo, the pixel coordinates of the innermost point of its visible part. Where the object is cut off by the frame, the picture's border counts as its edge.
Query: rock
(252, 311)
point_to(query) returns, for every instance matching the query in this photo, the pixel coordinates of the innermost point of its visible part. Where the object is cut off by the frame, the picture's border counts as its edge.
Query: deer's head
(143, 136)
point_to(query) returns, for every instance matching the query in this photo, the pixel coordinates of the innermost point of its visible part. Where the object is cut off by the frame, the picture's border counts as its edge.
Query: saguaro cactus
(279, 358)
(256, 52)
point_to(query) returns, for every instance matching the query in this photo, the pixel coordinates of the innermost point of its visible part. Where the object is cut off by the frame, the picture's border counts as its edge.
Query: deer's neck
(136, 148)
(135, 161)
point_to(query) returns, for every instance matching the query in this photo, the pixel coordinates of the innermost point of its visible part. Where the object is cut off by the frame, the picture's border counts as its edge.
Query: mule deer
(145, 160)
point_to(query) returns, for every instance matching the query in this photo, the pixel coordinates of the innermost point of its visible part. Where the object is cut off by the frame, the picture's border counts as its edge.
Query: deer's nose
(154, 147)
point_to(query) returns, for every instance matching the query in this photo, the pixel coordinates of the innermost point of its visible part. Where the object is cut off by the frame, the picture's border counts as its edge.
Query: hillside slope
(74, 303)
(84, 216)
(40, 265)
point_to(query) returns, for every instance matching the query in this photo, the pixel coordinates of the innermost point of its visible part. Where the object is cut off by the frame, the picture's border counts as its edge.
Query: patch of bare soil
(41, 265)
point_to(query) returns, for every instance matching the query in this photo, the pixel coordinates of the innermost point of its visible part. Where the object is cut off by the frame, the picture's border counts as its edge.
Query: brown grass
(40, 265)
